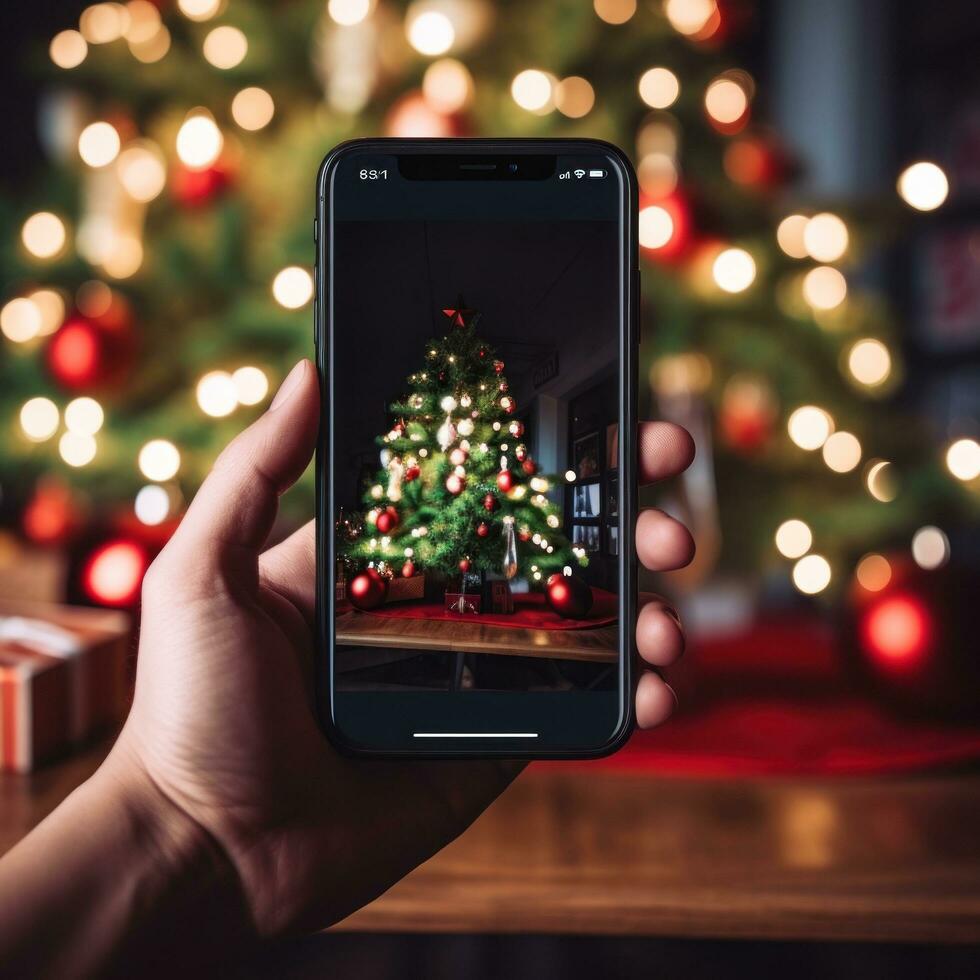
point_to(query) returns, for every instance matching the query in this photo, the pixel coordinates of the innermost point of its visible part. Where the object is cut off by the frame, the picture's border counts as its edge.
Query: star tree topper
(460, 315)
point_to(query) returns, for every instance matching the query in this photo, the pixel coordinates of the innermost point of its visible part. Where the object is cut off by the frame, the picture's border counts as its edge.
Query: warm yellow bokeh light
(20, 320)
(733, 270)
(811, 574)
(159, 460)
(930, 547)
(51, 305)
(199, 9)
(103, 22)
(842, 452)
(292, 287)
(824, 287)
(225, 47)
(348, 12)
(656, 226)
(614, 11)
(659, 87)
(76, 448)
(43, 235)
(963, 459)
(873, 572)
(84, 415)
(68, 49)
(144, 21)
(923, 186)
(825, 237)
(430, 32)
(123, 257)
(790, 235)
(880, 481)
(657, 174)
(199, 141)
(142, 171)
(153, 48)
(869, 362)
(533, 90)
(726, 101)
(793, 538)
(152, 505)
(253, 108)
(689, 16)
(447, 85)
(98, 144)
(810, 427)
(251, 385)
(574, 97)
(216, 394)
(39, 419)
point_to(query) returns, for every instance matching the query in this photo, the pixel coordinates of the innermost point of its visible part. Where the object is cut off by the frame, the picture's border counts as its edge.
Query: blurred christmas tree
(158, 283)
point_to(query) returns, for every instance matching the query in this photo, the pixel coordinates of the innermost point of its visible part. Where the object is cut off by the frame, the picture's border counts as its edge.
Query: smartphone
(476, 334)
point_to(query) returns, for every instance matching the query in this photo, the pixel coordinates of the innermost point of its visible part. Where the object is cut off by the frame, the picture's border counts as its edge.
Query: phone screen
(476, 312)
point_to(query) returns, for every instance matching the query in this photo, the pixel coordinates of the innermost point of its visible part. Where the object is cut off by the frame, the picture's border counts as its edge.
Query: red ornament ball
(508, 404)
(455, 484)
(529, 466)
(458, 456)
(464, 565)
(195, 188)
(367, 590)
(569, 596)
(505, 481)
(490, 502)
(411, 473)
(498, 366)
(75, 354)
(112, 574)
(520, 452)
(387, 520)
(524, 534)
(482, 529)
(408, 569)
(516, 429)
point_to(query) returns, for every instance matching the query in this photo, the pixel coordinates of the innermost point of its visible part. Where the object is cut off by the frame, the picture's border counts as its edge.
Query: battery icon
(597, 173)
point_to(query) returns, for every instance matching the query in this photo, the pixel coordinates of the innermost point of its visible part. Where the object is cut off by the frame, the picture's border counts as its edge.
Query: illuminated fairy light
(51, 305)
(112, 574)
(199, 141)
(144, 21)
(251, 385)
(153, 48)
(880, 481)
(216, 394)
(103, 22)
(225, 47)
(39, 419)
(790, 235)
(199, 9)
(124, 256)
(963, 459)
(93, 298)
(68, 49)
(726, 101)
(84, 415)
(923, 186)
(825, 237)
(77, 449)
(574, 97)
(292, 287)
(690, 17)
(570, 476)
(873, 572)
(20, 320)
(657, 174)
(656, 227)
(447, 85)
(533, 90)
(43, 235)
(152, 505)
(142, 171)
(159, 460)
(614, 11)
(253, 108)
(793, 538)
(930, 548)
(98, 144)
(430, 32)
(824, 287)
(347, 13)
(809, 427)
(734, 270)
(811, 574)
(842, 452)
(869, 362)
(659, 88)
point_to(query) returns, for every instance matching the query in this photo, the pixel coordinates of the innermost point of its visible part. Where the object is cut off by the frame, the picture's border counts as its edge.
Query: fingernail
(288, 388)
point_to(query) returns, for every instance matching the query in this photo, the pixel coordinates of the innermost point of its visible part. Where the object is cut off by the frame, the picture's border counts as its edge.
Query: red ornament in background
(508, 404)
(408, 569)
(666, 230)
(482, 529)
(505, 481)
(757, 161)
(455, 484)
(412, 473)
(75, 355)
(498, 366)
(113, 573)
(516, 429)
(748, 413)
(367, 589)
(458, 456)
(464, 565)
(524, 534)
(529, 466)
(490, 502)
(521, 452)
(196, 188)
(569, 596)
(387, 520)
(50, 515)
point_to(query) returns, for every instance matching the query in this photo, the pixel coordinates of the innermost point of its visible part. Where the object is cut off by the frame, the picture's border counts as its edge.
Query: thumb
(232, 513)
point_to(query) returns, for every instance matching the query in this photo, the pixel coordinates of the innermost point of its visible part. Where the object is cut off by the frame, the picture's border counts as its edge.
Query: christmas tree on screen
(459, 492)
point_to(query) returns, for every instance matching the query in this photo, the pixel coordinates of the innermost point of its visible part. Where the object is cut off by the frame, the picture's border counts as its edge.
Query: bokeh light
(930, 547)
(656, 226)
(153, 48)
(199, 9)
(896, 630)
(68, 49)
(963, 459)
(447, 85)
(98, 144)
(216, 394)
(112, 574)
(225, 47)
(430, 32)
(348, 12)
(84, 415)
(144, 21)
(790, 235)
(574, 97)
(824, 287)
(793, 538)
(77, 448)
(690, 17)
(142, 171)
(725, 101)
(292, 287)
(614, 11)
(825, 237)
(20, 320)
(152, 505)
(869, 362)
(43, 235)
(159, 460)
(199, 141)
(734, 270)
(252, 108)
(810, 427)
(873, 572)
(923, 186)
(51, 305)
(842, 452)
(659, 87)
(39, 418)
(880, 481)
(811, 574)
(123, 257)
(102, 23)
(251, 385)
(534, 90)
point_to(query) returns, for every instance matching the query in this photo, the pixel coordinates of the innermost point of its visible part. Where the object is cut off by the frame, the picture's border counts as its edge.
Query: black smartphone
(476, 332)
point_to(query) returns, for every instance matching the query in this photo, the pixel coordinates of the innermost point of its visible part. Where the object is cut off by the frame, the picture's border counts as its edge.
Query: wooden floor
(579, 850)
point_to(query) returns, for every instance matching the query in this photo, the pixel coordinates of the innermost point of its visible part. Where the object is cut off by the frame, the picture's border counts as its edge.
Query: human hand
(222, 732)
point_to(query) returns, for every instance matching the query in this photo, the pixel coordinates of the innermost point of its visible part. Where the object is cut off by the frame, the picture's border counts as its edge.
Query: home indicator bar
(475, 734)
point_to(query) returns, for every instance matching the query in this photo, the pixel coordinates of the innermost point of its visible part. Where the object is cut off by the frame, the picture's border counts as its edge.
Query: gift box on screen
(462, 603)
(62, 678)
(405, 589)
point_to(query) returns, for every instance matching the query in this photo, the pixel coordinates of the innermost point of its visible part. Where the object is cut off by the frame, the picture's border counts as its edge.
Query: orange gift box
(63, 677)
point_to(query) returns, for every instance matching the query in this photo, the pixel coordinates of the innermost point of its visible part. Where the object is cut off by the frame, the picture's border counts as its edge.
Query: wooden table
(597, 645)
(575, 849)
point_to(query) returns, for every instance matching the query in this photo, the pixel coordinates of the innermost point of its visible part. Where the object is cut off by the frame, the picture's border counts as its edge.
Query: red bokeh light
(114, 572)
(74, 354)
(897, 631)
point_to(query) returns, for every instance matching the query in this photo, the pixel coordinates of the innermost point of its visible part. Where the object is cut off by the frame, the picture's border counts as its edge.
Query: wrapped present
(462, 603)
(404, 589)
(29, 573)
(63, 678)
(498, 597)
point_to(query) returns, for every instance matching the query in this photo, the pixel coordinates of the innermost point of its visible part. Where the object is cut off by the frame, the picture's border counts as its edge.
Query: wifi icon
(580, 174)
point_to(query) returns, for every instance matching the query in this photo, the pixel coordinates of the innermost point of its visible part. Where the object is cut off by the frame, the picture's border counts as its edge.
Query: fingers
(655, 700)
(236, 505)
(662, 543)
(665, 450)
(659, 634)
(290, 569)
